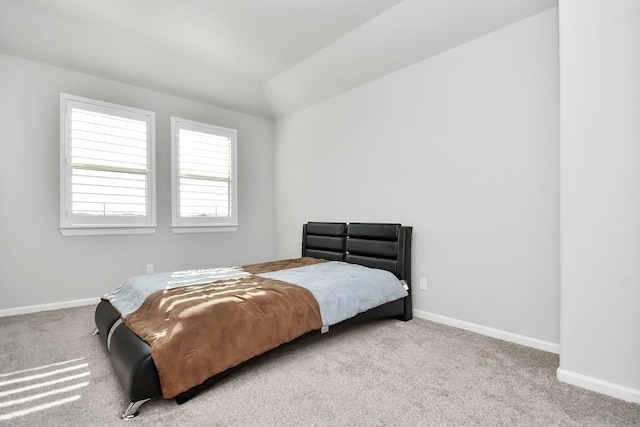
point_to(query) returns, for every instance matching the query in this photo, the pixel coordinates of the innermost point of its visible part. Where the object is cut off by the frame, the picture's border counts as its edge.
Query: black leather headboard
(384, 246)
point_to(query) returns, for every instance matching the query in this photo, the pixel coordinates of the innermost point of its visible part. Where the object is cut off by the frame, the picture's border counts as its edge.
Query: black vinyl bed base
(384, 246)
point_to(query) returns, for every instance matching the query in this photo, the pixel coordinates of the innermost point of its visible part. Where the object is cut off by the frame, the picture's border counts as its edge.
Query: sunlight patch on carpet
(40, 388)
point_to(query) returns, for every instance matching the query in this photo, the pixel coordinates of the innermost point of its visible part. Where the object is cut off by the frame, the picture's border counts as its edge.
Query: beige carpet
(383, 373)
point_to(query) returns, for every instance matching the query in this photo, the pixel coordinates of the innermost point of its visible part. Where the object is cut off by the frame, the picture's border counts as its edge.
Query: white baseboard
(599, 386)
(491, 332)
(47, 307)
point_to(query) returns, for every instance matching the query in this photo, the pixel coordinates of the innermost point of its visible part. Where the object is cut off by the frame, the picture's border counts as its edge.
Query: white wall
(40, 266)
(600, 188)
(462, 146)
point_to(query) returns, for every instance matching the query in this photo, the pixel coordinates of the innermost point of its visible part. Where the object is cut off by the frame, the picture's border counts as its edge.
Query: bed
(383, 247)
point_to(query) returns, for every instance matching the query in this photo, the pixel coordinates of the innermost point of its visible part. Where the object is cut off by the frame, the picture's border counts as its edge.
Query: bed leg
(132, 409)
(95, 332)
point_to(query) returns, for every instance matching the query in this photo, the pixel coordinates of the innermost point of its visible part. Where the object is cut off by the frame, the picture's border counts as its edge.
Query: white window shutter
(204, 184)
(107, 166)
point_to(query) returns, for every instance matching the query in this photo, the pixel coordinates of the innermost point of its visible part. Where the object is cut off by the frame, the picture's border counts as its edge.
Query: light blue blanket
(342, 290)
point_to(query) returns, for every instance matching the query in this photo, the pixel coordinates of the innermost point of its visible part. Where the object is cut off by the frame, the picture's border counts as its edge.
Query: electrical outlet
(423, 284)
(149, 268)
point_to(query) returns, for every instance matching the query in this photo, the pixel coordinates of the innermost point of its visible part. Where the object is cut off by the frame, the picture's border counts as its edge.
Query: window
(106, 168)
(204, 177)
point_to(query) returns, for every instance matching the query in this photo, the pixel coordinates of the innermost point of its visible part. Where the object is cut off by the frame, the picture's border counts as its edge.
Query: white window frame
(183, 224)
(78, 225)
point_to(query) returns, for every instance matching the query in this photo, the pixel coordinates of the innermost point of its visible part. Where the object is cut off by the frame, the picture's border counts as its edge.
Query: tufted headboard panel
(326, 240)
(384, 246)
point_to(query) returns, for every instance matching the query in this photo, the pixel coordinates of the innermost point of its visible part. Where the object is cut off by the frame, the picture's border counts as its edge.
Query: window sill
(181, 229)
(106, 231)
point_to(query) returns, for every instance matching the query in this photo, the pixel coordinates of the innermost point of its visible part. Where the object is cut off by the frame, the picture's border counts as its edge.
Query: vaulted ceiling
(263, 57)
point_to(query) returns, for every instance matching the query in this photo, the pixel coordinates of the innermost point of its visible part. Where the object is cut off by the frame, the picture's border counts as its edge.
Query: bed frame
(384, 246)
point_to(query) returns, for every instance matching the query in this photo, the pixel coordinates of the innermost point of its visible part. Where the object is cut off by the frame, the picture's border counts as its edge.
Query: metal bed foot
(95, 332)
(132, 409)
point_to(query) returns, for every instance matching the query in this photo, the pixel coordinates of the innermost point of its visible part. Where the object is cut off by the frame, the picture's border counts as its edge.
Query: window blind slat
(78, 179)
(100, 157)
(212, 170)
(110, 147)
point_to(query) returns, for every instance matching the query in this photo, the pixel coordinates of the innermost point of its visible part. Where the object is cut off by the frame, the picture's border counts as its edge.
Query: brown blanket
(201, 330)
